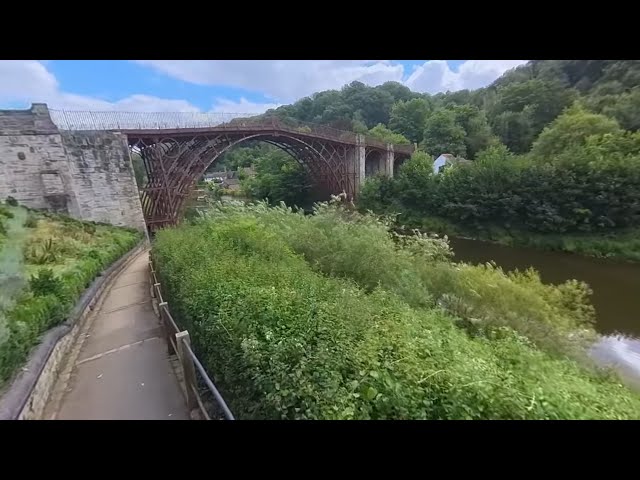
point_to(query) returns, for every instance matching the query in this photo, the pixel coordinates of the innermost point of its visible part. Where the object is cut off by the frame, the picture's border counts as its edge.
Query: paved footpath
(122, 371)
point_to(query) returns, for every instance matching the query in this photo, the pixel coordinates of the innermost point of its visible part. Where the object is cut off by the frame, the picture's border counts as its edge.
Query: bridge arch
(374, 163)
(174, 165)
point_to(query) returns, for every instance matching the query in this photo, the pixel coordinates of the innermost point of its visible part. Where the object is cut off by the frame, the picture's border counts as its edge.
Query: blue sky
(234, 86)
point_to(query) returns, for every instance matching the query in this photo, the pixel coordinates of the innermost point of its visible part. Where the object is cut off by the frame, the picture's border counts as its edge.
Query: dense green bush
(278, 178)
(583, 190)
(53, 291)
(360, 247)
(46, 283)
(285, 337)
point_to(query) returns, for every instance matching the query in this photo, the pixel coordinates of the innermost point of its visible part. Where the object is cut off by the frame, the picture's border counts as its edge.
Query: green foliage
(42, 252)
(571, 129)
(75, 253)
(328, 317)
(624, 108)
(498, 153)
(5, 212)
(377, 194)
(139, 170)
(383, 133)
(279, 178)
(473, 121)
(215, 190)
(32, 220)
(241, 156)
(443, 135)
(409, 118)
(12, 202)
(46, 283)
(535, 102)
(592, 185)
(515, 130)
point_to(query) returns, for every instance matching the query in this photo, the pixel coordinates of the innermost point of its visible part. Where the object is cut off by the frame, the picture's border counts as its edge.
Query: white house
(441, 162)
(446, 160)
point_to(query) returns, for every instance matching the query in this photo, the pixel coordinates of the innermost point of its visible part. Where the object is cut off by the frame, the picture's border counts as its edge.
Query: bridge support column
(389, 160)
(360, 162)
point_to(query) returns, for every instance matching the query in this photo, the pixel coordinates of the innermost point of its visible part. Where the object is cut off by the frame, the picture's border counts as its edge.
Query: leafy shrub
(378, 194)
(46, 283)
(279, 178)
(12, 202)
(289, 331)
(49, 297)
(32, 221)
(5, 212)
(416, 267)
(42, 253)
(581, 190)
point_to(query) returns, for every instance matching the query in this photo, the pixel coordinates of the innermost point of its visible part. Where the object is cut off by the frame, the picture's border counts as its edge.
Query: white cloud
(25, 79)
(23, 82)
(290, 80)
(436, 75)
(242, 106)
(283, 80)
(29, 81)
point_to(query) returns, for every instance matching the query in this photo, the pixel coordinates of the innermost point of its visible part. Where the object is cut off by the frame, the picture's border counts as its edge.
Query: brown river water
(615, 285)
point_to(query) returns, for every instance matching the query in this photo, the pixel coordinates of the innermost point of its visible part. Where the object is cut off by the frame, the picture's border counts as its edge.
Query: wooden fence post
(166, 326)
(188, 368)
(151, 279)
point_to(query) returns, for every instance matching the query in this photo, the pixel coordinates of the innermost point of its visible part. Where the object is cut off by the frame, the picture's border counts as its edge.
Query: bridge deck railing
(87, 120)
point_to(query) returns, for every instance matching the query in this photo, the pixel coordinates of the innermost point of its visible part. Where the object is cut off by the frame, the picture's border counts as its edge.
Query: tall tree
(374, 105)
(443, 135)
(542, 100)
(478, 134)
(383, 133)
(409, 118)
(570, 129)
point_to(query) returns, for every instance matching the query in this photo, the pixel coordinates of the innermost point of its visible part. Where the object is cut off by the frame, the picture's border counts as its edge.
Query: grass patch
(46, 263)
(331, 317)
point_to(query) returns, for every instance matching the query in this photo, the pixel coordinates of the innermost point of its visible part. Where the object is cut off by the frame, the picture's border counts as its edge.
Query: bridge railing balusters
(83, 120)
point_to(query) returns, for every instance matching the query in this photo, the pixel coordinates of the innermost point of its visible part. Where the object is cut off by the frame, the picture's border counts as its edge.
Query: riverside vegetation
(578, 190)
(335, 316)
(46, 261)
(554, 146)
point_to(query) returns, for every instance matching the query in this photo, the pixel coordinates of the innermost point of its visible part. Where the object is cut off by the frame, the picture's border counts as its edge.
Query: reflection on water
(616, 294)
(621, 353)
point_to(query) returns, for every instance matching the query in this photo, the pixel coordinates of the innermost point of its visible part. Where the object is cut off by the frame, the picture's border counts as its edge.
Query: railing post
(188, 368)
(166, 325)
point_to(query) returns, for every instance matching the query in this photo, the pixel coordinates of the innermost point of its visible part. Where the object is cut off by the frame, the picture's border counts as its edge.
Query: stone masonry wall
(102, 178)
(87, 175)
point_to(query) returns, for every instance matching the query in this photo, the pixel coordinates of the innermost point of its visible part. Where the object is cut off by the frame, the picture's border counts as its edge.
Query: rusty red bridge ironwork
(177, 149)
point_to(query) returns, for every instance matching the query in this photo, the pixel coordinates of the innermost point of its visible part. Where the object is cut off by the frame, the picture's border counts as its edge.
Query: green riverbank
(619, 245)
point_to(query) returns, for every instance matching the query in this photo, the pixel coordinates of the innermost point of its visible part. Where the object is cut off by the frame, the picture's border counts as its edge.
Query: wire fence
(87, 120)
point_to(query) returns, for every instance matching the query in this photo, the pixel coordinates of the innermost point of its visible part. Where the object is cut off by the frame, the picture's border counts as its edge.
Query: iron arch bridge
(177, 149)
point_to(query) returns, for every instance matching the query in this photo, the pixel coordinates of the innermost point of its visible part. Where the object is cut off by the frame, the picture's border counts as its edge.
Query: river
(615, 285)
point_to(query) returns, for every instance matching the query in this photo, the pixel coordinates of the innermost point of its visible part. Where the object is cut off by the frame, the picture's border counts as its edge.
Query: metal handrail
(183, 345)
(136, 121)
(227, 413)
